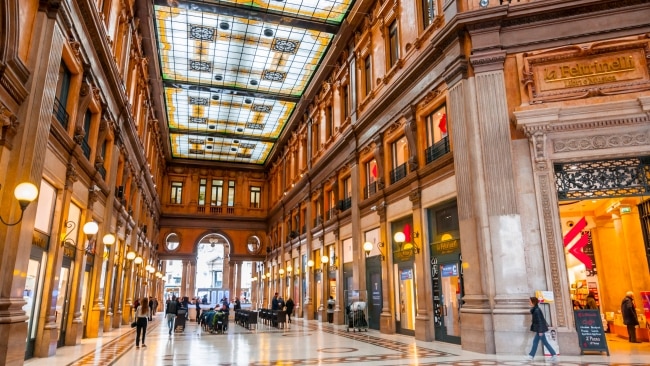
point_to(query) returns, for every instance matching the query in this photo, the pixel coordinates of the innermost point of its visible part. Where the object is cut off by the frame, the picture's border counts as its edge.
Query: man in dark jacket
(170, 313)
(628, 310)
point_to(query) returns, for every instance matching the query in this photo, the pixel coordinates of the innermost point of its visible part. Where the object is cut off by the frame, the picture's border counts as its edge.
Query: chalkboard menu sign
(591, 335)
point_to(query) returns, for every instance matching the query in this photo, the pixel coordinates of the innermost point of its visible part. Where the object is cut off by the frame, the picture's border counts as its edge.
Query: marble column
(387, 320)
(192, 279)
(24, 163)
(184, 279)
(424, 330)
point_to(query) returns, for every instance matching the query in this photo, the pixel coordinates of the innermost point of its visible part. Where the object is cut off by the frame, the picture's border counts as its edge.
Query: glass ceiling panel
(327, 10)
(219, 148)
(225, 113)
(233, 52)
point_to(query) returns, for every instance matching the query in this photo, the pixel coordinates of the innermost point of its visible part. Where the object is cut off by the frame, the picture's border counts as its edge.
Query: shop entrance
(62, 302)
(447, 300)
(604, 209)
(406, 299)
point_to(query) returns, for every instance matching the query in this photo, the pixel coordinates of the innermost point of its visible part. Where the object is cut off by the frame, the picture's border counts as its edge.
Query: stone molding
(597, 142)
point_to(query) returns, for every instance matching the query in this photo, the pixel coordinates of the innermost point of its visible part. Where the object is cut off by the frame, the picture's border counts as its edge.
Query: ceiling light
(268, 32)
(233, 149)
(240, 129)
(218, 77)
(212, 127)
(253, 82)
(248, 101)
(235, 141)
(215, 96)
(224, 25)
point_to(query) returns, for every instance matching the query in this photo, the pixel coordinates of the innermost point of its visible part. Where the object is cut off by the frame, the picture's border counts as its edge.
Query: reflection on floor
(302, 343)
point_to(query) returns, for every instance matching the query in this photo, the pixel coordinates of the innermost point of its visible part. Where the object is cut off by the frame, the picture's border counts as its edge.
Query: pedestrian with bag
(141, 317)
(170, 313)
(539, 326)
(290, 305)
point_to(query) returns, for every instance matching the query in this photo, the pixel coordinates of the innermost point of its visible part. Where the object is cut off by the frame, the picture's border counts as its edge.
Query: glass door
(447, 283)
(62, 302)
(32, 297)
(406, 301)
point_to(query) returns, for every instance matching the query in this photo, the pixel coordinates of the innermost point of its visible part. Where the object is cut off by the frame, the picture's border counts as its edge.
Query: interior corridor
(301, 343)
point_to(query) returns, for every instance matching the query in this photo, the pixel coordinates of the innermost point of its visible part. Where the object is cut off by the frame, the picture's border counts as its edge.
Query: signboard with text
(591, 336)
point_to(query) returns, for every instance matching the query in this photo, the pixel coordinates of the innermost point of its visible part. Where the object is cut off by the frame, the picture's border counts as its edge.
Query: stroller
(180, 320)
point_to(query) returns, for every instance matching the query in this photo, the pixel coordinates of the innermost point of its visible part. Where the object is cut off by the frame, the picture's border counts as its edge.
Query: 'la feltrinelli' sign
(576, 72)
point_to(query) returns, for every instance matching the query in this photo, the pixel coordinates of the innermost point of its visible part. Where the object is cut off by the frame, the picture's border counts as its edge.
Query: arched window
(173, 242)
(253, 245)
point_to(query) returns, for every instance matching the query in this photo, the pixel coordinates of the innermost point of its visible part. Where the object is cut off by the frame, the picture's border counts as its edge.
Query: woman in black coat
(539, 326)
(290, 305)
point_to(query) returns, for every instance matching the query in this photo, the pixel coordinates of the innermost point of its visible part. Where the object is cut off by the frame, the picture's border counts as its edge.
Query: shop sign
(406, 274)
(445, 247)
(575, 72)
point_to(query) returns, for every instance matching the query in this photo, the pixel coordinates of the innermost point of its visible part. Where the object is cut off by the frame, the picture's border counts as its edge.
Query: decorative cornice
(8, 127)
(598, 142)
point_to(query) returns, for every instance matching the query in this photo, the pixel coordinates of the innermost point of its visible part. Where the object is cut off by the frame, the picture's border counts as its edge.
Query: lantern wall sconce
(400, 239)
(90, 230)
(367, 247)
(25, 193)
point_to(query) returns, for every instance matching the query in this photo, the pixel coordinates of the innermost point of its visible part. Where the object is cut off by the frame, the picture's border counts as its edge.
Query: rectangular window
(231, 193)
(329, 122)
(316, 134)
(399, 151)
(63, 84)
(371, 171)
(256, 195)
(344, 101)
(436, 125)
(177, 192)
(217, 192)
(202, 187)
(367, 76)
(85, 145)
(428, 12)
(347, 187)
(393, 44)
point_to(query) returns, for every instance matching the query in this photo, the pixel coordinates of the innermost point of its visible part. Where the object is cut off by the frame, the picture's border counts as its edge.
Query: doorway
(32, 296)
(406, 299)
(62, 300)
(373, 286)
(447, 301)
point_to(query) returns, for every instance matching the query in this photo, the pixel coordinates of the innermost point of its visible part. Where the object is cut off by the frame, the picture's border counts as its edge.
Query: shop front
(584, 111)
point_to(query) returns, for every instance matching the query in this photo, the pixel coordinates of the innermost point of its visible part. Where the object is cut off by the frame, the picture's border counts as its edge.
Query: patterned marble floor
(302, 343)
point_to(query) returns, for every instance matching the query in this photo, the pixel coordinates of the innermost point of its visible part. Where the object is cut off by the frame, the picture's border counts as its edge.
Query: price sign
(591, 335)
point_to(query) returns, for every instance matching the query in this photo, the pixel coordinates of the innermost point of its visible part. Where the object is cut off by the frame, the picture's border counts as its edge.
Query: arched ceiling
(233, 71)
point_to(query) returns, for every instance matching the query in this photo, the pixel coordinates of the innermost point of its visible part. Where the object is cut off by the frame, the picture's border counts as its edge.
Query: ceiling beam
(248, 13)
(188, 85)
(222, 135)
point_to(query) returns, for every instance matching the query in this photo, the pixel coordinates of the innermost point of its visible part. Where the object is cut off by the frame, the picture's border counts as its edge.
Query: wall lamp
(138, 260)
(281, 272)
(90, 229)
(367, 247)
(310, 264)
(400, 238)
(25, 193)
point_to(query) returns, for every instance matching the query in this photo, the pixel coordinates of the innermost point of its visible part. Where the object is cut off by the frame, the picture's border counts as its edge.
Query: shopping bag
(551, 337)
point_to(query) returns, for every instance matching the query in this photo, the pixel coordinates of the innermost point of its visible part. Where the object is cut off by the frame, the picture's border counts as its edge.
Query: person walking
(197, 303)
(630, 319)
(330, 310)
(290, 305)
(141, 317)
(539, 326)
(170, 313)
(151, 306)
(275, 304)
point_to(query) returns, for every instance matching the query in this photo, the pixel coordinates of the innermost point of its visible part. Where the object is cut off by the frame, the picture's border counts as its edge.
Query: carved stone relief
(597, 142)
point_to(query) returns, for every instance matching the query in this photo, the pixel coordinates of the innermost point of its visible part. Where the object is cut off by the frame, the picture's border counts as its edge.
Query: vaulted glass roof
(234, 70)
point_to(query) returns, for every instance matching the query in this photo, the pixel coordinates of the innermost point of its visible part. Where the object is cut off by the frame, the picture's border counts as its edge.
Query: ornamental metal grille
(644, 215)
(604, 178)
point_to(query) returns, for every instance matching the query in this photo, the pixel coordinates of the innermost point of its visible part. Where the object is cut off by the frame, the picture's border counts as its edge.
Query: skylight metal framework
(233, 71)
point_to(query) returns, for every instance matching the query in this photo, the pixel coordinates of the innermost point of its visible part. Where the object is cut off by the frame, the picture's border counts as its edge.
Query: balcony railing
(345, 204)
(437, 150)
(216, 209)
(230, 210)
(85, 148)
(60, 113)
(398, 174)
(370, 189)
(200, 208)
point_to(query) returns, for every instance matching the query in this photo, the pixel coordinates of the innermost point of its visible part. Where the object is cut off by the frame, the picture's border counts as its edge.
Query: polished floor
(302, 343)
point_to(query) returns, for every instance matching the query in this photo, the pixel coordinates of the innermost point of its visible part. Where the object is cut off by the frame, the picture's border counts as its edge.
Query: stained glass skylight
(236, 69)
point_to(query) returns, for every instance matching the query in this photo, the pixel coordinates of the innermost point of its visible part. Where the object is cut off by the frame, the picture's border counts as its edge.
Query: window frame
(216, 193)
(255, 196)
(176, 194)
(367, 75)
(392, 44)
(231, 194)
(203, 183)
